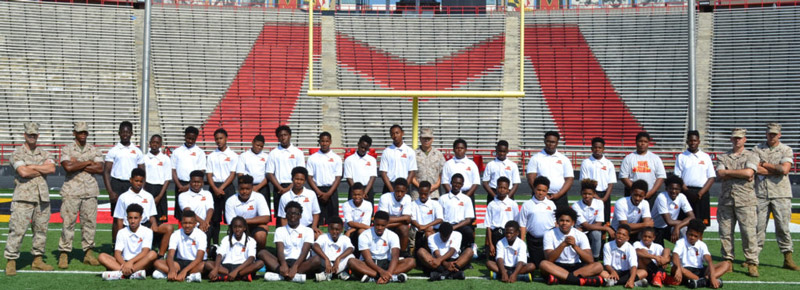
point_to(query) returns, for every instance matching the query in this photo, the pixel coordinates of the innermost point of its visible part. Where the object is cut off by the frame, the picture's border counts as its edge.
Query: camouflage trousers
(727, 217)
(70, 207)
(22, 213)
(781, 210)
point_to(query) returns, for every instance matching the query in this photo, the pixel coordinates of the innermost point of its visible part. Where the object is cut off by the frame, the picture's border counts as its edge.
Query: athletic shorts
(254, 229)
(231, 267)
(182, 263)
(343, 263)
(570, 267)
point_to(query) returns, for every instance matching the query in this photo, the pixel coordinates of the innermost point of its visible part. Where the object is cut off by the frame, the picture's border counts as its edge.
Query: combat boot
(63, 260)
(40, 265)
(11, 268)
(788, 263)
(89, 258)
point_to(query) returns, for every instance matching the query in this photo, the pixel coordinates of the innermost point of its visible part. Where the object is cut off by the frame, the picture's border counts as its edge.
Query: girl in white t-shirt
(236, 256)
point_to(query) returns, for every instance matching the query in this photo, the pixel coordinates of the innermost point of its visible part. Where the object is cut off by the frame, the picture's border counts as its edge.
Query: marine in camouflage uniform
(31, 201)
(79, 194)
(774, 192)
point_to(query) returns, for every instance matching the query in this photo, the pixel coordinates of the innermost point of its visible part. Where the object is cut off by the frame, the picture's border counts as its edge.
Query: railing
(520, 157)
(752, 3)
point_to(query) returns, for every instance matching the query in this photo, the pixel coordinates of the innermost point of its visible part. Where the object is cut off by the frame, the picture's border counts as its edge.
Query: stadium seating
(421, 53)
(754, 78)
(61, 63)
(605, 72)
(245, 70)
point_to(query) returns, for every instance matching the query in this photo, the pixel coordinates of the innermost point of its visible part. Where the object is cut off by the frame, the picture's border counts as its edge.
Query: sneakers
(459, 275)
(322, 276)
(367, 279)
(194, 277)
(88, 259)
(641, 283)
(159, 275)
(269, 276)
(699, 283)
(111, 275)
(344, 276)
(400, 278)
(493, 275)
(523, 277)
(474, 251)
(752, 270)
(436, 276)
(658, 279)
(611, 282)
(11, 268)
(592, 281)
(138, 275)
(63, 260)
(551, 280)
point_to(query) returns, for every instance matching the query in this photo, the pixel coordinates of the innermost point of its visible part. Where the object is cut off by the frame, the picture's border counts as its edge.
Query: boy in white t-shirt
(293, 245)
(198, 200)
(136, 195)
(398, 205)
(688, 257)
(621, 261)
(445, 260)
(667, 211)
(132, 253)
(653, 257)
(591, 219)
(357, 214)
(426, 216)
(252, 207)
(187, 251)
(536, 217)
(380, 253)
(511, 259)
(568, 255)
(633, 210)
(304, 197)
(499, 212)
(335, 250)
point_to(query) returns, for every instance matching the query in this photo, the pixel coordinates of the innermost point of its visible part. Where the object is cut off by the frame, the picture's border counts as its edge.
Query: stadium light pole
(692, 78)
(145, 109)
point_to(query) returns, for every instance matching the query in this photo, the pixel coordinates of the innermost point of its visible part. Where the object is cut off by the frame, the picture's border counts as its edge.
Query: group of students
(563, 242)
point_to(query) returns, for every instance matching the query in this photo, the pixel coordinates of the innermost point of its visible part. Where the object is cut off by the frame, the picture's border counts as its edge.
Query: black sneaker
(699, 283)
(458, 275)
(436, 276)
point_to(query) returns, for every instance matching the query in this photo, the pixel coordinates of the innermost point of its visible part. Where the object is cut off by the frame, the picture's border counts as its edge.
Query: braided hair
(230, 230)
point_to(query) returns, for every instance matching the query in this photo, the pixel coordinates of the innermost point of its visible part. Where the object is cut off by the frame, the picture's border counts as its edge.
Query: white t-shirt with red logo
(142, 198)
(360, 214)
(307, 198)
(132, 243)
(255, 206)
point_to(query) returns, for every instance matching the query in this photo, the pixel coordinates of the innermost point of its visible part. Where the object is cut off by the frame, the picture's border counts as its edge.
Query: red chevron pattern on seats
(390, 71)
(579, 94)
(264, 92)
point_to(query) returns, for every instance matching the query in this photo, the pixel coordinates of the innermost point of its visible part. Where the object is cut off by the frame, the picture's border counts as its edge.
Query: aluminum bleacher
(238, 68)
(606, 72)
(61, 63)
(421, 52)
(755, 78)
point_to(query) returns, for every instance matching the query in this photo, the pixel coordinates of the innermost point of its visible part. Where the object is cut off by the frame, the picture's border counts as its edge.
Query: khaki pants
(727, 217)
(22, 213)
(70, 207)
(781, 209)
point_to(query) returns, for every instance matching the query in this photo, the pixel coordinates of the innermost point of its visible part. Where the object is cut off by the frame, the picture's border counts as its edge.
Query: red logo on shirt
(306, 200)
(227, 159)
(263, 160)
(330, 160)
(300, 235)
(461, 203)
(595, 212)
(642, 167)
(696, 252)
(243, 249)
(362, 214)
(193, 154)
(144, 201)
(338, 250)
(702, 162)
(140, 240)
(251, 207)
(291, 156)
(368, 163)
(638, 211)
(548, 208)
(558, 162)
(194, 243)
(384, 244)
(508, 168)
(508, 209)
(160, 163)
(604, 168)
(430, 212)
(203, 199)
(403, 156)
(469, 169)
(624, 257)
(676, 206)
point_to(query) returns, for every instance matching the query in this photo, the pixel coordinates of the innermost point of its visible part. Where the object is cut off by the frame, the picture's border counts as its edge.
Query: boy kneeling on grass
(187, 251)
(511, 253)
(132, 253)
(687, 259)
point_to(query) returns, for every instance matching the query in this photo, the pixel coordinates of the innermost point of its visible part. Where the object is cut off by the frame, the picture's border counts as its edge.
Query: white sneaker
(641, 283)
(321, 277)
(194, 277)
(112, 275)
(611, 282)
(299, 278)
(400, 278)
(366, 279)
(272, 276)
(344, 276)
(474, 251)
(138, 275)
(159, 275)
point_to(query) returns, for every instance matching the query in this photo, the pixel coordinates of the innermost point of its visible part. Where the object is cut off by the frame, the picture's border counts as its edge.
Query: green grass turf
(770, 270)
